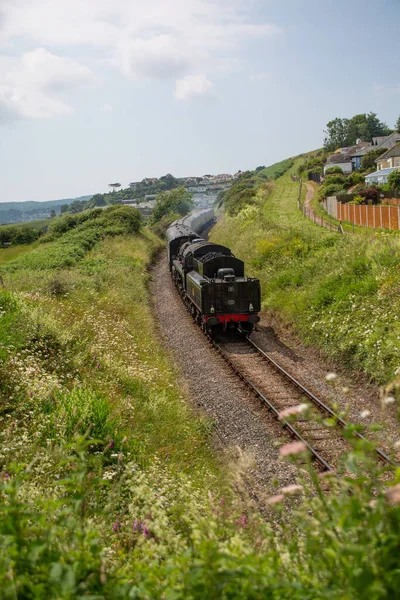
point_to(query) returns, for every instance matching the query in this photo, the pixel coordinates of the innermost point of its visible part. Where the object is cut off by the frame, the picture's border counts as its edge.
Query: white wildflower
(330, 376)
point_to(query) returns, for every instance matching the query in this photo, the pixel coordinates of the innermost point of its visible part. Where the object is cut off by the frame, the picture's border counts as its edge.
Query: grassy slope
(341, 293)
(7, 254)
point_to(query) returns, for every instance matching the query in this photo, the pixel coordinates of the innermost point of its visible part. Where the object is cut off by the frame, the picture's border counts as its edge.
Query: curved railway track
(278, 390)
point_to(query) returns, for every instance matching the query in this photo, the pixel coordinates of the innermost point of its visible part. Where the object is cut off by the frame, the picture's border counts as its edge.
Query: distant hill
(16, 212)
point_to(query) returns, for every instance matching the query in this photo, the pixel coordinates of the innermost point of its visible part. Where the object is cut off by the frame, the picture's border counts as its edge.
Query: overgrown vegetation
(341, 293)
(244, 191)
(109, 487)
(10, 234)
(78, 234)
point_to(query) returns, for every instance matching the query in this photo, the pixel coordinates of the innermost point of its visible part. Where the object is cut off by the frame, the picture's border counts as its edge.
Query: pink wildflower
(326, 474)
(241, 521)
(275, 499)
(291, 489)
(293, 448)
(117, 526)
(292, 410)
(393, 494)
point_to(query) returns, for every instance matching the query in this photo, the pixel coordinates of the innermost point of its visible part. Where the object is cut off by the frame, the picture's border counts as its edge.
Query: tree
(345, 132)
(177, 201)
(169, 181)
(394, 180)
(335, 133)
(97, 200)
(114, 186)
(368, 160)
(52, 214)
(397, 126)
(64, 208)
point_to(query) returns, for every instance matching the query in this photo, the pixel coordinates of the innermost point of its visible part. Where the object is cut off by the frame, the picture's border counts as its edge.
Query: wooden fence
(376, 217)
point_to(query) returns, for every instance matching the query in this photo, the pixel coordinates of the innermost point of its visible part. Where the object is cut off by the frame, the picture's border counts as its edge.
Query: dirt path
(240, 420)
(309, 212)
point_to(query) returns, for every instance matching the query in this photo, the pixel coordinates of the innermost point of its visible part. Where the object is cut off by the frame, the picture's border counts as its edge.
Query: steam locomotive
(210, 278)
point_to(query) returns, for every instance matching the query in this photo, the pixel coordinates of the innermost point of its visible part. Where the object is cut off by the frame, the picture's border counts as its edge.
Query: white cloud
(193, 86)
(107, 108)
(155, 39)
(158, 57)
(32, 85)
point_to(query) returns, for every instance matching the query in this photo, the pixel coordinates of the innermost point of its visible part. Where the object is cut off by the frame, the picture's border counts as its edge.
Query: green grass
(40, 224)
(276, 170)
(340, 292)
(8, 254)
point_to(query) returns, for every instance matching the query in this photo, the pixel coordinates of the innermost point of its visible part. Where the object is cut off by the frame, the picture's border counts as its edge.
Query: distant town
(142, 194)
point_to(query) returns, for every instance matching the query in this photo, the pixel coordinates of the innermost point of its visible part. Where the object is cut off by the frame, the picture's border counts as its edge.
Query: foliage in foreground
(341, 293)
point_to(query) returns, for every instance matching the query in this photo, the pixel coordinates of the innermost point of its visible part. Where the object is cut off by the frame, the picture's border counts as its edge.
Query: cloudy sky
(94, 91)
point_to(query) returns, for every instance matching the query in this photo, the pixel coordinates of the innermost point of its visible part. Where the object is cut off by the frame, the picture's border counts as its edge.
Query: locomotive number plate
(230, 302)
(231, 289)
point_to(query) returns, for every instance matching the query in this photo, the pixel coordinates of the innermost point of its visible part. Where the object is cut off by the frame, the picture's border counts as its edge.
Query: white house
(339, 160)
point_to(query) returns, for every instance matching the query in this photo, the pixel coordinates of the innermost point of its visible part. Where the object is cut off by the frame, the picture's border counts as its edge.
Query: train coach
(210, 278)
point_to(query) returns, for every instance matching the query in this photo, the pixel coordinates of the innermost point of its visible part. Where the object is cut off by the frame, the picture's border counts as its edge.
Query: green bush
(357, 200)
(356, 178)
(176, 201)
(10, 234)
(334, 170)
(394, 180)
(336, 180)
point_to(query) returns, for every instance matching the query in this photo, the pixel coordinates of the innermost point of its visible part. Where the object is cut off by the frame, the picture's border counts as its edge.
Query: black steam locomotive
(210, 278)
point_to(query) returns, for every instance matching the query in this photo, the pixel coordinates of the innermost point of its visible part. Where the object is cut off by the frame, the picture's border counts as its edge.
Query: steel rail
(272, 408)
(316, 401)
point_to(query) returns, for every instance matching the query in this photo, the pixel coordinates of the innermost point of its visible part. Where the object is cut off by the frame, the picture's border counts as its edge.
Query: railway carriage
(210, 278)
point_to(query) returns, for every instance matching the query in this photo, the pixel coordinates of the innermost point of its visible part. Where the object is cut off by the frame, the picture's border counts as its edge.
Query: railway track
(279, 390)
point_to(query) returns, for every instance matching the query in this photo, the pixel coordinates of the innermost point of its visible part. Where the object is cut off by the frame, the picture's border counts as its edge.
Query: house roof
(339, 158)
(381, 172)
(383, 141)
(395, 151)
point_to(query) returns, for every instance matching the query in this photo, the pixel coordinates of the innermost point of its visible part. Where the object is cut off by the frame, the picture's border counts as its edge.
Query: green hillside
(14, 212)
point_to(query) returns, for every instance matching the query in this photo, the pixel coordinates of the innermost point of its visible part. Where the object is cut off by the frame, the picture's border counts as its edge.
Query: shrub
(394, 180)
(18, 235)
(357, 200)
(370, 194)
(356, 178)
(177, 201)
(330, 190)
(127, 217)
(58, 285)
(368, 161)
(336, 180)
(334, 170)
